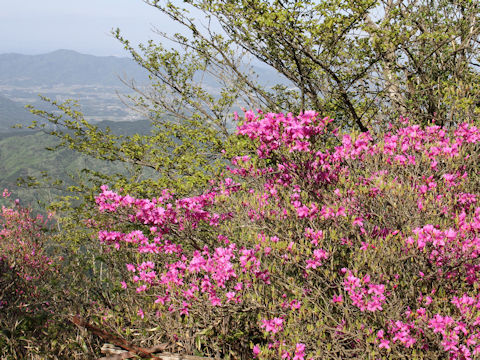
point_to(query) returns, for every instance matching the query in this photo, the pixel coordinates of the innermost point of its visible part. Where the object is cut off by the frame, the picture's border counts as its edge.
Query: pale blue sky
(40, 26)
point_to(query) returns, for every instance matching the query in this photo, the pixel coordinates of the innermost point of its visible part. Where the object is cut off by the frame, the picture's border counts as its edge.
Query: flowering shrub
(22, 255)
(317, 245)
(25, 274)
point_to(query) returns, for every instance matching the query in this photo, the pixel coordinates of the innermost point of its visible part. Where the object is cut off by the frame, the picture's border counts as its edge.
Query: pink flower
(256, 351)
(230, 296)
(337, 298)
(384, 344)
(131, 267)
(299, 352)
(274, 325)
(295, 304)
(358, 222)
(215, 301)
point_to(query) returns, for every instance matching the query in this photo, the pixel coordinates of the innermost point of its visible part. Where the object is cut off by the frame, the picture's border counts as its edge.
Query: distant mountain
(92, 80)
(66, 67)
(12, 113)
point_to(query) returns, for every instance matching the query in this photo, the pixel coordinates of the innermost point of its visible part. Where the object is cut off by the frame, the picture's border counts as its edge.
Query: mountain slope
(12, 113)
(23, 154)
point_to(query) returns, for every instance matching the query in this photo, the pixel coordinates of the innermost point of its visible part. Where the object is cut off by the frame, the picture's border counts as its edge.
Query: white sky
(40, 26)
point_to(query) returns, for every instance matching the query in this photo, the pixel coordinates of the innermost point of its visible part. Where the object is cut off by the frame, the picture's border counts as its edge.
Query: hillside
(12, 113)
(23, 154)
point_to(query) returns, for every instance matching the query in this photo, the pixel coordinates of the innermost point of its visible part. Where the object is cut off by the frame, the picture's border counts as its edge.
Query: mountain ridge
(66, 67)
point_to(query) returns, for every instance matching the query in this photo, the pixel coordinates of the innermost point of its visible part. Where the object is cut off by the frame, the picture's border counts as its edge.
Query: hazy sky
(39, 26)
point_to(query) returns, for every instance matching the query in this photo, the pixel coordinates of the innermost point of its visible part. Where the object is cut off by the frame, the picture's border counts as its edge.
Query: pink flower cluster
(278, 130)
(208, 271)
(364, 294)
(272, 326)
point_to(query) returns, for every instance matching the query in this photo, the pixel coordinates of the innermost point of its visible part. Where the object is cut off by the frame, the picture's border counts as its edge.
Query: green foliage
(361, 62)
(182, 154)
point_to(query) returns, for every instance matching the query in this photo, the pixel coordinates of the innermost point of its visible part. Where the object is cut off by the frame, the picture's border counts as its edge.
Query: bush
(25, 269)
(34, 291)
(317, 244)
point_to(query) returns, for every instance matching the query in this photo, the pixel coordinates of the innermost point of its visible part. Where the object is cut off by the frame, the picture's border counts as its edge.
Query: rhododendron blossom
(333, 243)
